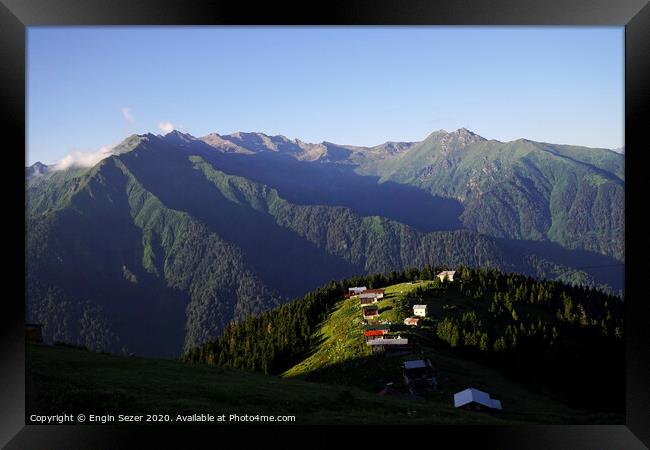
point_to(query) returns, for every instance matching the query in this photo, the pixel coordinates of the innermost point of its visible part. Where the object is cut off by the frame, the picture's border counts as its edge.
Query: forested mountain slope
(161, 245)
(521, 189)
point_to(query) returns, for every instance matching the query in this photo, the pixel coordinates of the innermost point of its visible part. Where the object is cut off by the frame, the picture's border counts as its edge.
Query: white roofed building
(372, 293)
(389, 345)
(475, 399)
(390, 341)
(420, 310)
(446, 275)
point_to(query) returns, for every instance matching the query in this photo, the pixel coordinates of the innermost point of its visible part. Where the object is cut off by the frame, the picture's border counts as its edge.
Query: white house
(420, 310)
(475, 399)
(446, 274)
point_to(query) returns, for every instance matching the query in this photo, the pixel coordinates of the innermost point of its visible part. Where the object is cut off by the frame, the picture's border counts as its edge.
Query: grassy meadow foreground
(64, 379)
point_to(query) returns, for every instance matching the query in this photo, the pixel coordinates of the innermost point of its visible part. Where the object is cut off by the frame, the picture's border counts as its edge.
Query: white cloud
(83, 159)
(127, 113)
(166, 127)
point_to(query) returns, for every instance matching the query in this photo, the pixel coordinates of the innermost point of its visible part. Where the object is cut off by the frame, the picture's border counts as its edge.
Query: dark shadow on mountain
(379, 370)
(282, 258)
(373, 372)
(143, 312)
(332, 184)
(606, 174)
(604, 269)
(293, 264)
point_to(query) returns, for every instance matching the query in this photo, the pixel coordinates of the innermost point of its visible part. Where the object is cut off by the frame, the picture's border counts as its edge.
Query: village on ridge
(419, 374)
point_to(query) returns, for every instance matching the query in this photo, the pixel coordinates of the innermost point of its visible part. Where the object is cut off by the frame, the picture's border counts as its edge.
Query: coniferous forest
(545, 334)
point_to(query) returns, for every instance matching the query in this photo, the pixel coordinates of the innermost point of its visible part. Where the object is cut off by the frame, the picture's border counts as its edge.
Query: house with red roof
(374, 334)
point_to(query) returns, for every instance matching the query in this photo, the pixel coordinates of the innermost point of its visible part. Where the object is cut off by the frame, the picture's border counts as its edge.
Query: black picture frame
(16, 15)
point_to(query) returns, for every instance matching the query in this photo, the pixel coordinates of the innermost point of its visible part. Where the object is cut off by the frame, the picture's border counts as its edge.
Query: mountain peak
(176, 133)
(178, 137)
(36, 169)
(461, 136)
(464, 132)
(464, 136)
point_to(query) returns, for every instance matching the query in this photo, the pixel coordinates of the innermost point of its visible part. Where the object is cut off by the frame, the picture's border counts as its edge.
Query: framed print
(370, 217)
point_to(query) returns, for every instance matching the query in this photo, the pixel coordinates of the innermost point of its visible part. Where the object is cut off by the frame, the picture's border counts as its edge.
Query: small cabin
(476, 400)
(446, 275)
(420, 310)
(390, 345)
(370, 311)
(374, 334)
(379, 293)
(419, 374)
(34, 332)
(412, 321)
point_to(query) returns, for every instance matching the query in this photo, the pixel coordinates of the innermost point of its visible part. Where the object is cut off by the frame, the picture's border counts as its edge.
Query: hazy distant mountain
(252, 143)
(159, 246)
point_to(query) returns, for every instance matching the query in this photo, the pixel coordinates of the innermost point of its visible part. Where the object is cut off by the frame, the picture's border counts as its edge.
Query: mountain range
(162, 244)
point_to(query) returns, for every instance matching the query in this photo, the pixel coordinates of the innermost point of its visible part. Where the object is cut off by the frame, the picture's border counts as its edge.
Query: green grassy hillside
(341, 334)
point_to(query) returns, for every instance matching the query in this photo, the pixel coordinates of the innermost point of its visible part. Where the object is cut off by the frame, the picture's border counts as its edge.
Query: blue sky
(91, 87)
